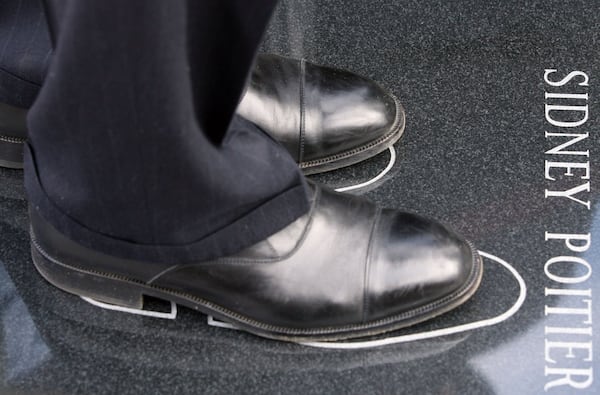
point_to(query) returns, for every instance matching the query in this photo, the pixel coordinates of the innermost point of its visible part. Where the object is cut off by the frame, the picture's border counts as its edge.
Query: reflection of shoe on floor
(326, 118)
(344, 270)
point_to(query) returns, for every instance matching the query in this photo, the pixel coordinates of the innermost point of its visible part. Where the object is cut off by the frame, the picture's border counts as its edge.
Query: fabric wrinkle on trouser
(24, 51)
(127, 152)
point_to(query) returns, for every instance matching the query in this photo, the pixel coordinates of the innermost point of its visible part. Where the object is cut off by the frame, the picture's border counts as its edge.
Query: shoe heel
(13, 133)
(83, 283)
(11, 152)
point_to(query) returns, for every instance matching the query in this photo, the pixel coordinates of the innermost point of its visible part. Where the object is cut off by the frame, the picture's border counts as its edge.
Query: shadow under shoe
(344, 270)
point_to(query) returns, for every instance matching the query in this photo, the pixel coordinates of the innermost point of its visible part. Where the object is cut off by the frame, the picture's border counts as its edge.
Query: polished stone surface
(471, 77)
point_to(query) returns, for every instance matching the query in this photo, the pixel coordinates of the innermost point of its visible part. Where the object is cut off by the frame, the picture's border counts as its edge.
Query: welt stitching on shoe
(13, 140)
(302, 109)
(362, 148)
(258, 324)
(402, 318)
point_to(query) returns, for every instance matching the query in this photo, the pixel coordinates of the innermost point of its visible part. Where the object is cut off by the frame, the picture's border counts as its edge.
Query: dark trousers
(24, 51)
(134, 149)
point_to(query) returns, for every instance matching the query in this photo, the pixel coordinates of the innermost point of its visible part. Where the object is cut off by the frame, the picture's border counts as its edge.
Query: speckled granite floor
(477, 142)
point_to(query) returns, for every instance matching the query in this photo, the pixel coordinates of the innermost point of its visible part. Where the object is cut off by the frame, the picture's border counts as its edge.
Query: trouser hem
(256, 225)
(16, 91)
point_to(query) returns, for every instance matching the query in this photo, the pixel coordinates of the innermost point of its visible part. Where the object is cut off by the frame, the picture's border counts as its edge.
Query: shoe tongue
(278, 244)
(284, 241)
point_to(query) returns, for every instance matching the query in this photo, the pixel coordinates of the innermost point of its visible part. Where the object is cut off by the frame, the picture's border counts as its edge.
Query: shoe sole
(364, 152)
(11, 152)
(127, 292)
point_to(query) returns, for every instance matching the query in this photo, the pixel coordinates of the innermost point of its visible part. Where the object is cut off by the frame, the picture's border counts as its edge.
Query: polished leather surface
(344, 263)
(413, 261)
(316, 111)
(471, 77)
(272, 100)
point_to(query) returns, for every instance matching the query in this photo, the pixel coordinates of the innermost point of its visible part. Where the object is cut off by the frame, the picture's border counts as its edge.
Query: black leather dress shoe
(13, 133)
(346, 269)
(326, 118)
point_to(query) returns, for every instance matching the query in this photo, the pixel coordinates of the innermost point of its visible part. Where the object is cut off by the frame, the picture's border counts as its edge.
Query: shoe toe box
(416, 267)
(345, 111)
